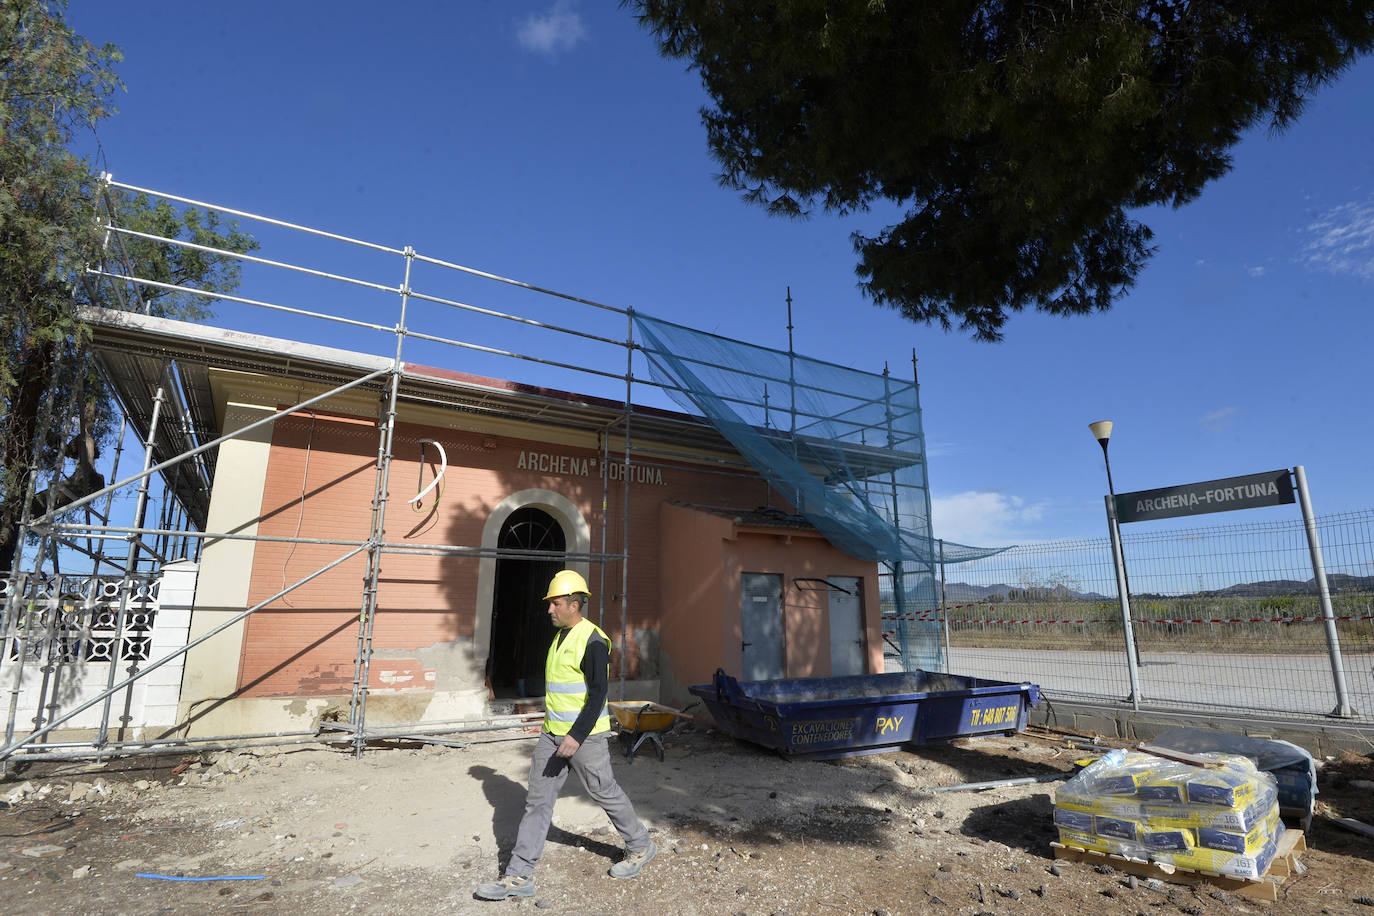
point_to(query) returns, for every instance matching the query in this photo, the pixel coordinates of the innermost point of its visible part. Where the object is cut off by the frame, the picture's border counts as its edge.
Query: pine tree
(1018, 137)
(55, 85)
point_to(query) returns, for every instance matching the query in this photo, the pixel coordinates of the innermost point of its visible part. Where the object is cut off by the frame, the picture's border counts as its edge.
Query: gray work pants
(592, 764)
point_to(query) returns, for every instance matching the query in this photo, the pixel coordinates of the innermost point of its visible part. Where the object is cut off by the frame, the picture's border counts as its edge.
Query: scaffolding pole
(367, 619)
(625, 525)
(131, 568)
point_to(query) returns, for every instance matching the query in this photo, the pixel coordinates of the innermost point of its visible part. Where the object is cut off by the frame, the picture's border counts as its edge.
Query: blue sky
(547, 141)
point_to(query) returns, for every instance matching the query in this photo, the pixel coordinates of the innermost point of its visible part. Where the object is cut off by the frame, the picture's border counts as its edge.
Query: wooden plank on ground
(1181, 756)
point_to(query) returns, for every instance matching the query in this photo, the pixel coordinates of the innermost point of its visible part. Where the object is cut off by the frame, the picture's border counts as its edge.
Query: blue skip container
(827, 717)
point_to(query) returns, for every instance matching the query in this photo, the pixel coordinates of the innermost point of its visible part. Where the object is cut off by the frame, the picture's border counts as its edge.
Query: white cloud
(1255, 271)
(1218, 421)
(940, 449)
(984, 519)
(559, 29)
(1341, 240)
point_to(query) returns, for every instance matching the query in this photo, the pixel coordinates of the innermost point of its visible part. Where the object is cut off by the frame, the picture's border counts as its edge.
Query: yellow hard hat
(566, 582)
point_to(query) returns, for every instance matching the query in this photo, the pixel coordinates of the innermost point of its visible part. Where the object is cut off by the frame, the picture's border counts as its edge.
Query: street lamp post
(1102, 432)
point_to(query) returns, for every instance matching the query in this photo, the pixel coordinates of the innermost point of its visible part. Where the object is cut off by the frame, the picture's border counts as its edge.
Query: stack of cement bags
(1221, 818)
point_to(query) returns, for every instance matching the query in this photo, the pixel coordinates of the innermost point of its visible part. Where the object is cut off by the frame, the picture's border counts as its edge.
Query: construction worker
(576, 725)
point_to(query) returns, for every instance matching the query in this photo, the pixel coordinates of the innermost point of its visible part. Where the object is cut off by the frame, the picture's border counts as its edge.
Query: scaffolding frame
(171, 444)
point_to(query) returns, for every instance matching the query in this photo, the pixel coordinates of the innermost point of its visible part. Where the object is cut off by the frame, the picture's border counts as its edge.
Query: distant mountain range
(964, 593)
(1336, 582)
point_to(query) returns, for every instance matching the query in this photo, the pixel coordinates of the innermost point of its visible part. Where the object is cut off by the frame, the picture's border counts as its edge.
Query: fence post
(1333, 642)
(1119, 561)
(944, 605)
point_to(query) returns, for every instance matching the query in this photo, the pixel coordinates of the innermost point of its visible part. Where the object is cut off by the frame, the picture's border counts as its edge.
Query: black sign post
(1272, 488)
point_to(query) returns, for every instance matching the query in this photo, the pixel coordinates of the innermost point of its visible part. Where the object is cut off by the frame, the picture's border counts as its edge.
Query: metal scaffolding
(158, 371)
(55, 620)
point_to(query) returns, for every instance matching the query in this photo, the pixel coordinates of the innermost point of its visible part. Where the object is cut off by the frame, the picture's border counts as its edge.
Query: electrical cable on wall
(417, 501)
(300, 517)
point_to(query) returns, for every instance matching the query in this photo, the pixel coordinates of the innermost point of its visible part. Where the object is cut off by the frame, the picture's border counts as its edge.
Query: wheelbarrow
(643, 720)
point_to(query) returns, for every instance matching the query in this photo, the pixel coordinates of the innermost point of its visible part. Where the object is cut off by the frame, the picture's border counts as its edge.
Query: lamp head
(1102, 431)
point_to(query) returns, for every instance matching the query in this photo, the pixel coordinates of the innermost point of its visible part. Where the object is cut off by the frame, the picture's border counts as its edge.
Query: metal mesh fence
(1226, 618)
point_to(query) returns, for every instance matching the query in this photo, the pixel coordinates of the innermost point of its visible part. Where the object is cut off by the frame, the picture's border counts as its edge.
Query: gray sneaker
(629, 866)
(508, 886)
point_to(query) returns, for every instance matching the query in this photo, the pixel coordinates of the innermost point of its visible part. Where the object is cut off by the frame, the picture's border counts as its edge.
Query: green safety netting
(844, 446)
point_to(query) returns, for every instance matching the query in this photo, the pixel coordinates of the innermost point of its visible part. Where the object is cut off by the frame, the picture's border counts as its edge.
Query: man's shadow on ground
(507, 800)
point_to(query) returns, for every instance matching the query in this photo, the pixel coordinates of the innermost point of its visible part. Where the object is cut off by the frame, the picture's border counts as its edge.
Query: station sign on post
(1272, 488)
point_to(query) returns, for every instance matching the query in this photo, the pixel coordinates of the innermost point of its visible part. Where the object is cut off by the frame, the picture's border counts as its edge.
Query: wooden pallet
(1285, 863)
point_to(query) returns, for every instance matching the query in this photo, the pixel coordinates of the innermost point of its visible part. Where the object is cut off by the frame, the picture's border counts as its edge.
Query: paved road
(1293, 684)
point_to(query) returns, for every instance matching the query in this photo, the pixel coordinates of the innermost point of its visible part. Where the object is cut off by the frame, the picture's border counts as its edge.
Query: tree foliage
(1017, 137)
(54, 85)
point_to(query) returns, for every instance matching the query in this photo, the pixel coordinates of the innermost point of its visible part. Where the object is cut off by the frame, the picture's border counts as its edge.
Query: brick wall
(320, 481)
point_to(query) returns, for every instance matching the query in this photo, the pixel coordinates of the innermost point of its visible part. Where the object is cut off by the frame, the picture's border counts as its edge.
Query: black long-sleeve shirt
(596, 663)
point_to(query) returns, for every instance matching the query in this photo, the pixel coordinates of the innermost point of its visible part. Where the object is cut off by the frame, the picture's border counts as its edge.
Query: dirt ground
(414, 828)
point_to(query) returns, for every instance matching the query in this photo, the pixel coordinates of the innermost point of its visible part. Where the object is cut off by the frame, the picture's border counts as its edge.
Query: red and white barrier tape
(933, 617)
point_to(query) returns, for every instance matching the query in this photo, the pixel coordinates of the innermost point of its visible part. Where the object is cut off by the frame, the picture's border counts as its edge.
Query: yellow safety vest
(565, 689)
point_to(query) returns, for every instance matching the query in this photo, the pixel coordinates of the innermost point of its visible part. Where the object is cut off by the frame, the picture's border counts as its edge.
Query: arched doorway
(520, 627)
